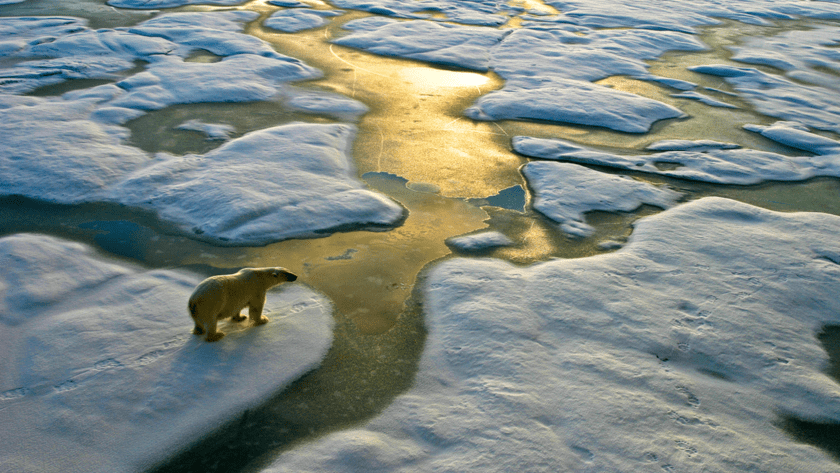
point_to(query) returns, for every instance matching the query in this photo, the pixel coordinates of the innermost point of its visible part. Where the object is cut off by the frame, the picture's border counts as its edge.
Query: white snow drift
(563, 192)
(718, 164)
(101, 372)
(680, 352)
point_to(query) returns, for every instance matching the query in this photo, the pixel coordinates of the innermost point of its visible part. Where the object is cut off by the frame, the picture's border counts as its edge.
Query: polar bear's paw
(263, 320)
(215, 336)
(238, 318)
(198, 330)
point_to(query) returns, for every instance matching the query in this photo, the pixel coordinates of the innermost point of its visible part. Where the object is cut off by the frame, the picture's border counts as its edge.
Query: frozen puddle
(679, 352)
(102, 373)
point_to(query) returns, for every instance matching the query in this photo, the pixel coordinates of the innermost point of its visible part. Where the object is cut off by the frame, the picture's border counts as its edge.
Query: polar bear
(220, 297)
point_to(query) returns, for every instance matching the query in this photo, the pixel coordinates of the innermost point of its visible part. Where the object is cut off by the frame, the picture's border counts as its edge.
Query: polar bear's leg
(212, 334)
(198, 330)
(238, 317)
(255, 308)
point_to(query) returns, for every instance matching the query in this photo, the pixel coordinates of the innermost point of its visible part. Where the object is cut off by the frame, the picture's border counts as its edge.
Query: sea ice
(679, 352)
(797, 136)
(213, 131)
(292, 21)
(69, 149)
(702, 98)
(772, 95)
(571, 101)
(471, 13)
(283, 182)
(693, 145)
(53, 151)
(547, 72)
(479, 242)
(451, 45)
(563, 192)
(716, 164)
(101, 372)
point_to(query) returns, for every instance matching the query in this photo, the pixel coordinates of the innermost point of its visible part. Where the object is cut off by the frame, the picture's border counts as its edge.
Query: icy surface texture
(71, 149)
(796, 135)
(776, 96)
(479, 242)
(101, 372)
(678, 352)
(547, 72)
(451, 45)
(709, 164)
(282, 182)
(292, 21)
(564, 192)
(213, 131)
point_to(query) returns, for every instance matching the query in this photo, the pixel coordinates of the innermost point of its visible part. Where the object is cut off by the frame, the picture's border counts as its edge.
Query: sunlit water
(415, 146)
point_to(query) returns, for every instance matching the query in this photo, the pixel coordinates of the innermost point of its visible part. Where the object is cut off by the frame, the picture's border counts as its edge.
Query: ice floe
(563, 192)
(571, 101)
(70, 149)
(779, 97)
(702, 98)
(470, 13)
(101, 372)
(213, 131)
(680, 352)
(479, 242)
(283, 182)
(437, 43)
(797, 136)
(717, 164)
(547, 72)
(294, 20)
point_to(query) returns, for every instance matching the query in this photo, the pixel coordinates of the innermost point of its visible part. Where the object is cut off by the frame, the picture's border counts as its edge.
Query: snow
(298, 180)
(547, 72)
(444, 44)
(685, 145)
(479, 242)
(702, 98)
(563, 192)
(571, 101)
(71, 149)
(772, 95)
(101, 372)
(797, 136)
(214, 131)
(679, 352)
(718, 164)
(292, 21)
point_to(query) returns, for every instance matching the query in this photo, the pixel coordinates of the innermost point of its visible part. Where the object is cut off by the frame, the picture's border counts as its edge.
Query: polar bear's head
(278, 274)
(267, 276)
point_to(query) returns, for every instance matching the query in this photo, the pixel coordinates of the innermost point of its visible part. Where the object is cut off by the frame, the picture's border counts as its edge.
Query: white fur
(220, 297)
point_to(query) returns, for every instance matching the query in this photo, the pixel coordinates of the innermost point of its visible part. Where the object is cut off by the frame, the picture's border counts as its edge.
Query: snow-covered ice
(563, 192)
(571, 101)
(679, 352)
(719, 165)
(71, 149)
(213, 131)
(796, 135)
(776, 96)
(547, 72)
(438, 43)
(479, 242)
(101, 372)
(282, 182)
(292, 21)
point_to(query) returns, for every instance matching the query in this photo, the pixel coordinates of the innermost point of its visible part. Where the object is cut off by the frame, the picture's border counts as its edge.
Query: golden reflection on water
(415, 127)
(369, 275)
